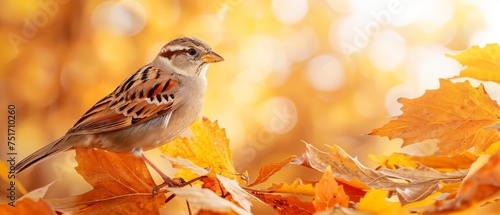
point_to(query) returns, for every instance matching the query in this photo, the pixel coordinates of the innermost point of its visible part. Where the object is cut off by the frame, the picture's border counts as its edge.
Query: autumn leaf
(207, 199)
(456, 115)
(296, 187)
(270, 169)
(237, 193)
(121, 185)
(28, 206)
(481, 63)
(285, 205)
(4, 174)
(476, 189)
(409, 184)
(329, 193)
(31, 203)
(207, 148)
(375, 201)
(441, 163)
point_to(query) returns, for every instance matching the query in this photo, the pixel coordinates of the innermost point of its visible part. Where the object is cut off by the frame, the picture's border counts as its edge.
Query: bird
(148, 109)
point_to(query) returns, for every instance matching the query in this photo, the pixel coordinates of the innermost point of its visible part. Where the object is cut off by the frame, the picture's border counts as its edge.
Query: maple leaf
(122, 185)
(28, 206)
(31, 203)
(285, 205)
(481, 186)
(455, 115)
(207, 148)
(482, 63)
(409, 184)
(329, 193)
(270, 169)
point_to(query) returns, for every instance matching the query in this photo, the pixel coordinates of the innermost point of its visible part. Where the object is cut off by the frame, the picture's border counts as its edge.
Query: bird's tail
(41, 154)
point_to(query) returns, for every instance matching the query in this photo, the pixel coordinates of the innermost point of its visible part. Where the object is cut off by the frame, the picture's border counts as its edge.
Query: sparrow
(148, 109)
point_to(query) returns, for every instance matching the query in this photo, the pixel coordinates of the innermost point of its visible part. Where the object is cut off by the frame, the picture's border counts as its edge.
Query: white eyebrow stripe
(177, 48)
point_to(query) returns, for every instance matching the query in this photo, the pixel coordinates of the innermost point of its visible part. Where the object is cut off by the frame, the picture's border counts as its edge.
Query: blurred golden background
(323, 72)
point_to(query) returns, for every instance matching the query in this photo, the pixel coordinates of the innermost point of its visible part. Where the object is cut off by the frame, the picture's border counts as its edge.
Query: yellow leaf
(4, 174)
(493, 148)
(207, 148)
(375, 201)
(328, 193)
(456, 115)
(482, 63)
(441, 163)
(296, 187)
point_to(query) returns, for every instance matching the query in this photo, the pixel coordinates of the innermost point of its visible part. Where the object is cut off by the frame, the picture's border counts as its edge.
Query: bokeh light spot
(387, 50)
(290, 12)
(278, 115)
(126, 17)
(325, 73)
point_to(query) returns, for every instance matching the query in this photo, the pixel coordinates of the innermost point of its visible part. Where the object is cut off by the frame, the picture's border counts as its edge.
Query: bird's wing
(146, 94)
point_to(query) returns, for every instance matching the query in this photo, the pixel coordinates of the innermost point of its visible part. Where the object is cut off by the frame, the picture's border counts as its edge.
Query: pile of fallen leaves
(463, 174)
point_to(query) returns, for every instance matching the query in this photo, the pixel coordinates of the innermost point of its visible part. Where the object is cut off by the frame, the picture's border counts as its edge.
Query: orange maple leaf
(482, 63)
(122, 185)
(329, 193)
(456, 115)
(270, 169)
(28, 206)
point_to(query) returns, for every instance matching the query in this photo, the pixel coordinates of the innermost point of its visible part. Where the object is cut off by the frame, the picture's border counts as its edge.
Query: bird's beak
(211, 57)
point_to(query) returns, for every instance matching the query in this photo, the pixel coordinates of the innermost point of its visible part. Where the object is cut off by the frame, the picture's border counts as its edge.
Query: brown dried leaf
(122, 184)
(410, 184)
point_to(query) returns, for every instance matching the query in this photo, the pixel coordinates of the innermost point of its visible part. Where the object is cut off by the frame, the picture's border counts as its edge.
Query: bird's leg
(167, 181)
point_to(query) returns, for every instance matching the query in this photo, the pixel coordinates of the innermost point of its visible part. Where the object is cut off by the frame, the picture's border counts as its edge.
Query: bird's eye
(192, 52)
